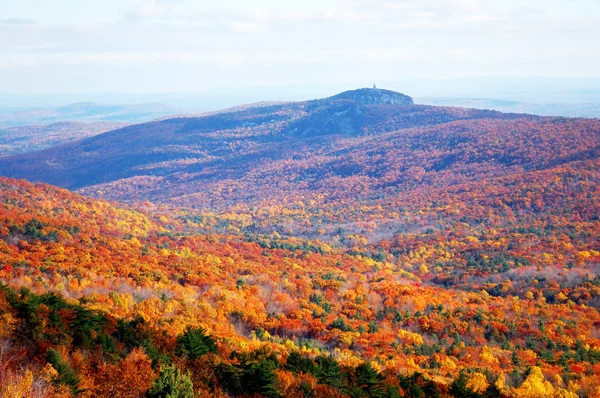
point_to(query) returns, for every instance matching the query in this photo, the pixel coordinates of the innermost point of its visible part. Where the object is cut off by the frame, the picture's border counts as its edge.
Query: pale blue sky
(178, 45)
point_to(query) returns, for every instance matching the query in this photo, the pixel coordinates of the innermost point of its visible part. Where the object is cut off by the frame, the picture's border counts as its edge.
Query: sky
(144, 46)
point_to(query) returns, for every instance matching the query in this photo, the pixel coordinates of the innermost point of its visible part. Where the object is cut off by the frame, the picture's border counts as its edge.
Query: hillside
(336, 148)
(31, 138)
(303, 144)
(103, 301)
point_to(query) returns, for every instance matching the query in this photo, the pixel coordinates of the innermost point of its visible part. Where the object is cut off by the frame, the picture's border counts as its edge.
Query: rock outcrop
(375, 96)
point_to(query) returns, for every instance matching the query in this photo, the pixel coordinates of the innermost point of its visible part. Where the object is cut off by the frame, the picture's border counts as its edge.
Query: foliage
(194, 343)
(171, 383)
(66, 375)
(486, 285)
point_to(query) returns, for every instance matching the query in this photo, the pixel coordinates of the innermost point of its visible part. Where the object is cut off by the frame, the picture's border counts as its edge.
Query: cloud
(338, 39)
(148, 9)
(120, 58)
(18, 21)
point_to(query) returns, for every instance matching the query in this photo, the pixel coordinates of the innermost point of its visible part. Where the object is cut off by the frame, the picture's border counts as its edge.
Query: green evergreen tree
(171, 384)
(195, 343)
(369, 380)
(417, 386)
(255, 374)
(459, 388)
(298, 363)
(66, 375)
(328, 371)
(259, 377)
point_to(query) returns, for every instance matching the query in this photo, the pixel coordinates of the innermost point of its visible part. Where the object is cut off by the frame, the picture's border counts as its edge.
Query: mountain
(87, 112)
(357, 143)
(21, 139)
(259, 151)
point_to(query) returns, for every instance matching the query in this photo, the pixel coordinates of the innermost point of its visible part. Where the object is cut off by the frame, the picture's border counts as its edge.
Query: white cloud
(122, 58)
(149, 9)
(339, 39)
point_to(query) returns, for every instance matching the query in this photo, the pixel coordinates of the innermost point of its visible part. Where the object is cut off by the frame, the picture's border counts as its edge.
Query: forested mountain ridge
(170, 159)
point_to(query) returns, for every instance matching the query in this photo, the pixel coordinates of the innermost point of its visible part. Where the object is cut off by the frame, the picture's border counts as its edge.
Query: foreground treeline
(51, 346)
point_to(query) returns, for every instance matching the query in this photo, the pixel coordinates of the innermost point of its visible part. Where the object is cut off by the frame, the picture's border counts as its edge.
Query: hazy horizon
(162, 46)
(533, 90)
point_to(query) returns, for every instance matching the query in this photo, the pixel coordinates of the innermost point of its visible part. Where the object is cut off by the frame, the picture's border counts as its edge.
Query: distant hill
(87, 112)
(356, 143)
(22, 139)
(569, 109)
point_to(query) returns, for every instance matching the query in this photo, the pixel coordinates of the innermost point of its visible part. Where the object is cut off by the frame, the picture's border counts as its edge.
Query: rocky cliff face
(375, 96)
(345, 113)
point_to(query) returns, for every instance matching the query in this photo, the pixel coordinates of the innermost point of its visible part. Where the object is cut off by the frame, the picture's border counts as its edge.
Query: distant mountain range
(86, 112)
(22, 139)
(359, 142)
(572, 94)
(569, 109)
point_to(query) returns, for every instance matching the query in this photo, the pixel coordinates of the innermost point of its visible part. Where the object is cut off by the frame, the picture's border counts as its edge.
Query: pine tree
(195, 343)
(369, 380)
(328, 371)
(172, 384)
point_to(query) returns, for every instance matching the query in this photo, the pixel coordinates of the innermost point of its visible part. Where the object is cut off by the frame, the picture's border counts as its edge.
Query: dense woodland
(99, 299)
(391, 251)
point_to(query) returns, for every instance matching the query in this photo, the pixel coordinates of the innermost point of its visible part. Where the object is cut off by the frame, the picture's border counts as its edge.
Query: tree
(194, 343)
(417, 386)
(132, 378)
(299, 363)
(328, 371)
(369, 380)
(172, 384)
(255, 374)
(460, 388)
(17, 386)
(259, 377)
(66, 375)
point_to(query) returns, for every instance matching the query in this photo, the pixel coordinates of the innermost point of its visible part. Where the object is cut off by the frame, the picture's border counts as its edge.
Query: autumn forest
(355, 246)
